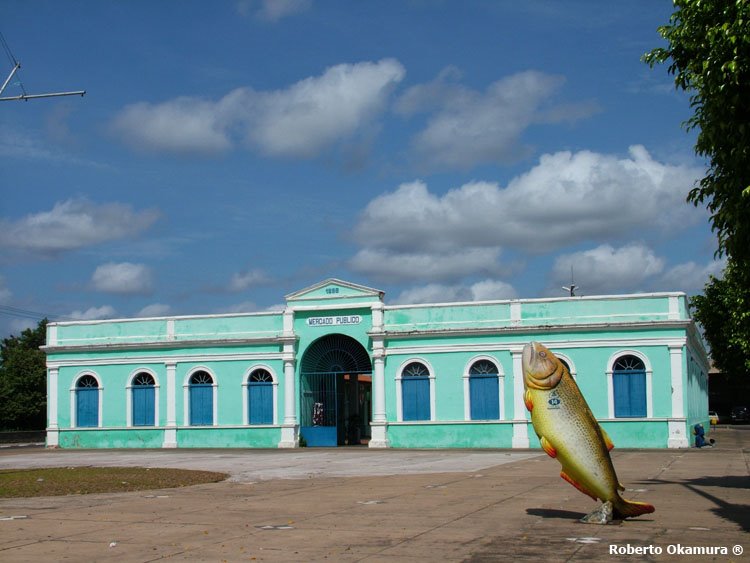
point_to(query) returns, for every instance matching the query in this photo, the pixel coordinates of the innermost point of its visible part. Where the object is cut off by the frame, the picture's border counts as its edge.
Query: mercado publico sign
(334, 321)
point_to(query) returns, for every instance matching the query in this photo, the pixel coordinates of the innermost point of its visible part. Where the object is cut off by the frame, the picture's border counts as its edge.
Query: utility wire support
(25, 96)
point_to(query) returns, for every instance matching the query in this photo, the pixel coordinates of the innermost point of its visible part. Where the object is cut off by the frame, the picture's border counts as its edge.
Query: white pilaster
(379, 437)
(515, 313)
(520, 426)
(53, 434)
(170, 432)
(289, 430)
(675, 364)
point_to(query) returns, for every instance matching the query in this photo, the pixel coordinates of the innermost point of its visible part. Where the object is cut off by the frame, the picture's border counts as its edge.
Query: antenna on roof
(573, 286)
(25, 96)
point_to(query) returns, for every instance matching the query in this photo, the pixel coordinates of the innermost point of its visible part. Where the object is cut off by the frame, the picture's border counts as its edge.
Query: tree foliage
(23, 380)
(724, 312)
(709, 55)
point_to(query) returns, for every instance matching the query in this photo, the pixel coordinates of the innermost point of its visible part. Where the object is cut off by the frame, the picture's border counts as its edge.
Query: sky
(229, 153)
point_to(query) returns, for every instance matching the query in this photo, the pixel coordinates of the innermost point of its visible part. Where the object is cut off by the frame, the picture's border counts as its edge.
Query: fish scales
(568, 430)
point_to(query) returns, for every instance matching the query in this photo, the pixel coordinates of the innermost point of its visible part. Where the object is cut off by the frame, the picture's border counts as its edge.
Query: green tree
(724, 312)
(23, 380)
(708, 51)
(709, 55)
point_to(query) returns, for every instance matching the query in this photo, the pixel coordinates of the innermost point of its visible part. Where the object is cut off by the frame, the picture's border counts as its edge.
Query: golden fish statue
(569, 432)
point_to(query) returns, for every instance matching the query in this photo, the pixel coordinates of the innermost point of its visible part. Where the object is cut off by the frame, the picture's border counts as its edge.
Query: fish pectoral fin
(527, 400)
(620, 487)
(607, 439)
(547, 447)
(577, 485)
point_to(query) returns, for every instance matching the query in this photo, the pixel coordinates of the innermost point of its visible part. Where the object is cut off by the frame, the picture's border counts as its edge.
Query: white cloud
(154, 310)
(606, 269)
(690, 277)
(243, 280)
(243, 307)
(273, 10)
(183, 125)
(123, 278)
(94, 313)
(470, 127)
(74, 224)
(566, 199)
(389, 265)
(300, 121)
(437, 293)
(17, 326)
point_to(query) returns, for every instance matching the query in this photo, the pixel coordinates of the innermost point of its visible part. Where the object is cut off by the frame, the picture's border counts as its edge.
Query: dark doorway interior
(336, 392)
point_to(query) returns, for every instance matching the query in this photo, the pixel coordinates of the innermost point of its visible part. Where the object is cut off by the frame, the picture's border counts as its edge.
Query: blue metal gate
(323, 405)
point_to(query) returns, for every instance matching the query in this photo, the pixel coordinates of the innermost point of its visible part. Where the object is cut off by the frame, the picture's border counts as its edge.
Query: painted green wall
(465, 435)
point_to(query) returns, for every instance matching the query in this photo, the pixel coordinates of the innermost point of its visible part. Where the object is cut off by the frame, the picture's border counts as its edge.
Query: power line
(27, 314)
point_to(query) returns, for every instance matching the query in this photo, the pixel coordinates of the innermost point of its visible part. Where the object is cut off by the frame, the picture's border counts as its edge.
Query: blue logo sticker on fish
(554, 402)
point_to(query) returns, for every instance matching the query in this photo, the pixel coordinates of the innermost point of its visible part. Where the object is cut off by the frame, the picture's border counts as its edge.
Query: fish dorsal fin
(607, 439)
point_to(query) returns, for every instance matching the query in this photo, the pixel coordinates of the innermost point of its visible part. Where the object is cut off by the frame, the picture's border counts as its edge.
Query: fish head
(541, 368)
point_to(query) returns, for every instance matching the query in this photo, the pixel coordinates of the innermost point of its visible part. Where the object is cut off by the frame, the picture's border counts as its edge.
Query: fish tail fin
(630, 508)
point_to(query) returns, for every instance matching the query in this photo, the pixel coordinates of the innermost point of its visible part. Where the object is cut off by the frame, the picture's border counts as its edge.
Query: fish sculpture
(569, 432)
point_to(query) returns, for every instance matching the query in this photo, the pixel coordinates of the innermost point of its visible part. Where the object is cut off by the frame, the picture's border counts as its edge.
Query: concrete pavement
(360, 505)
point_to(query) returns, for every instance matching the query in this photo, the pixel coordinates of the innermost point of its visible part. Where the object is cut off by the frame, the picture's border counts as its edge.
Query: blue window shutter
(260, 403)
(87, 407)
(143, 405)
(629, 389)
(201, 405)
(415, 398)
(483, 397)
(637, 383)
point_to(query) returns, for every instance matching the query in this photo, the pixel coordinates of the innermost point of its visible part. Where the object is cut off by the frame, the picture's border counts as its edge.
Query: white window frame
(129, 398)
(611, 388)
(500, 385)
(399, 392)
(246, 384)
(74, 398)
(186, 396)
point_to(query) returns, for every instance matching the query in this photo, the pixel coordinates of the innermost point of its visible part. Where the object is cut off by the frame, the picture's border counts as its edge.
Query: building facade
(340, 367)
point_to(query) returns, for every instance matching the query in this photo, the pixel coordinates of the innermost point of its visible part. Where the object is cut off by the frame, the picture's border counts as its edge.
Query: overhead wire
(27, 314)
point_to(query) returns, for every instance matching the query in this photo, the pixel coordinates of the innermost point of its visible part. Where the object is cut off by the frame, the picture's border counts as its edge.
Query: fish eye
(542, 354)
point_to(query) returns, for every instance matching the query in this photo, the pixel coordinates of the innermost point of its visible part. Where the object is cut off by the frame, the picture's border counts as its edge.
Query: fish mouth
(538, 368)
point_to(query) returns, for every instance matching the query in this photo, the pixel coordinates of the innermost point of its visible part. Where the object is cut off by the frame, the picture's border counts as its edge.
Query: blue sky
(229, 153)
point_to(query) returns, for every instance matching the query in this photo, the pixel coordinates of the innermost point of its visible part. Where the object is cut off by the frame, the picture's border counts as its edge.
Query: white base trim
(677, 435)
(520, 435)
(53, 438)
(170, 438)
(379, 436)
(289, 436)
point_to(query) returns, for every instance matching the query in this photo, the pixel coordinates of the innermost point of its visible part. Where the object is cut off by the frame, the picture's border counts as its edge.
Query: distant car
(713, 417)
(739, 415)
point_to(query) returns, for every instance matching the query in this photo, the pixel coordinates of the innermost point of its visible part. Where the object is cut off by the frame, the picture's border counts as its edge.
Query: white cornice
(145, 360)
(514, 346)
(579, 327)
(161, 345)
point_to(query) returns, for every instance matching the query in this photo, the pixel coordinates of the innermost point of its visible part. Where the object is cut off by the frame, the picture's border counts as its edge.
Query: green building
(338, 366)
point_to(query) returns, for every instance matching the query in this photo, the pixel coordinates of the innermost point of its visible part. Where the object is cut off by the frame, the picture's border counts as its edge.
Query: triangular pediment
(333, 288)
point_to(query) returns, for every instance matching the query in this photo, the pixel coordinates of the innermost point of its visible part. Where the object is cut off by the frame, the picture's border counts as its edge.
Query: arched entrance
(335, 392)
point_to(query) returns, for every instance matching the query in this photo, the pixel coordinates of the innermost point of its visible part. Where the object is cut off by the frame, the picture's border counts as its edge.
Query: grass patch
(56, 481)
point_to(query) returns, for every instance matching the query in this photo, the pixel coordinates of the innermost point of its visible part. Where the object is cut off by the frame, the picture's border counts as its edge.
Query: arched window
(484, 391)
(87, 402)
(144, 393)
(201, 399)
(415, 391)
(629, 387)
(260, 397)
